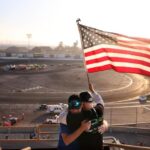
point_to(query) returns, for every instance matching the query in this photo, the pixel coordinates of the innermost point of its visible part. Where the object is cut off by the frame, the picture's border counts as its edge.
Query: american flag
(105, 50)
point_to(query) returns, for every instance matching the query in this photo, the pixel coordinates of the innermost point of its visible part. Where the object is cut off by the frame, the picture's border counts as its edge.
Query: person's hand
(103, 128)
(91, 88)
(86, 125)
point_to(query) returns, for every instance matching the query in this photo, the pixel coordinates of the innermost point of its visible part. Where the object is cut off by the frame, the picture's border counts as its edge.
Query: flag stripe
(133, 42)
(117, 55)
(115, 59)
(119, 51)
(124, 49)
(134, 46)
(145, 40)
(119, 64)
(118, 69)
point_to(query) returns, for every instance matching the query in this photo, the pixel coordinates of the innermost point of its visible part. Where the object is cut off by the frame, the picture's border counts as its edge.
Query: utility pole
(29, 36)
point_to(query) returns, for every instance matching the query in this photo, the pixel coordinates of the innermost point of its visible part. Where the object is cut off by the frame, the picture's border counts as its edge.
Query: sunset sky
(52, 21)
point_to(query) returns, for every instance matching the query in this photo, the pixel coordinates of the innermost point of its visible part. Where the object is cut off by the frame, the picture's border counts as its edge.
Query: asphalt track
(63, 78)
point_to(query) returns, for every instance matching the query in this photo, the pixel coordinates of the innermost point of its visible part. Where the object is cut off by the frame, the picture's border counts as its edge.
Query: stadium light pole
(29, 36)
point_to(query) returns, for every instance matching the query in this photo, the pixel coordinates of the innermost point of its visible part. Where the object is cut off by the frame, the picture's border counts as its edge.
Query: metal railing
(126, 147)
(127, 115)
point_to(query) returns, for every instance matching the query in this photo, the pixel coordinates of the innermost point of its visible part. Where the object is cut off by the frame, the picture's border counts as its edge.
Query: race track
(63, 78)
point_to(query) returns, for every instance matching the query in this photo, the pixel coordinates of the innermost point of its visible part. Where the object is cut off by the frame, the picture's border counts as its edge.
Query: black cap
(86, 97)
(74, 102)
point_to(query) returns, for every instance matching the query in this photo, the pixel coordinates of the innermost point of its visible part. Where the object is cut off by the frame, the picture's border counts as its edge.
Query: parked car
(43, 107)
(53, 120)
(9, 120)
(13, 120)
(54, 109)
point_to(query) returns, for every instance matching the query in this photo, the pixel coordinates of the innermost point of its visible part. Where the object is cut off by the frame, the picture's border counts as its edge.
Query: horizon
(32, 46)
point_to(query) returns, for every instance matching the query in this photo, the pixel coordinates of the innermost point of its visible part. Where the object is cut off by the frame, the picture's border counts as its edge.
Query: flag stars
(92, 37)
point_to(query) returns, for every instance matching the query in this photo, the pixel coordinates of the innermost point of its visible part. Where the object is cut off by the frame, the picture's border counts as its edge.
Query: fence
(128, 115)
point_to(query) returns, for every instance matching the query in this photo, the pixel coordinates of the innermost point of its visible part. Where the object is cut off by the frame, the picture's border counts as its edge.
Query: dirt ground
(23, 91)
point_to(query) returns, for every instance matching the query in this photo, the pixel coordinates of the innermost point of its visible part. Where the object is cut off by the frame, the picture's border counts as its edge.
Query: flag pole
(88, 79)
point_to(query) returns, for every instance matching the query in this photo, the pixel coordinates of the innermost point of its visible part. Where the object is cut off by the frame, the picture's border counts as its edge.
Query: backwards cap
(74, 102)
(86, 97)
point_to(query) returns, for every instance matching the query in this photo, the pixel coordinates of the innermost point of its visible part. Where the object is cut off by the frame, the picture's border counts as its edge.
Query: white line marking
(30, 89)
(121, 88)
(117, 89)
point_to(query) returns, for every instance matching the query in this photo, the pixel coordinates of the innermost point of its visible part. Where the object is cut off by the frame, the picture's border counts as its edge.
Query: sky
(52, 21)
